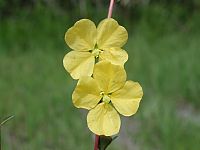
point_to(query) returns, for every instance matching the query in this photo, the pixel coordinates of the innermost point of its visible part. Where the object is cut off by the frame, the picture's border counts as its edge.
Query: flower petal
(79, 64)
(103, 120)
(110, 34)
(127, 99)
(109, 77)
(86, 94)
(82, 36)
(116, 56)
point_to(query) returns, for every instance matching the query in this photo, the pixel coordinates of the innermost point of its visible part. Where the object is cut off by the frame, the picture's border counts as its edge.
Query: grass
(36, 89)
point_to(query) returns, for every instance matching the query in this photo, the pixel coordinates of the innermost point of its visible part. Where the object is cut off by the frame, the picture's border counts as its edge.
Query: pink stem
(109, 16)
(96, 142)
(111, 8)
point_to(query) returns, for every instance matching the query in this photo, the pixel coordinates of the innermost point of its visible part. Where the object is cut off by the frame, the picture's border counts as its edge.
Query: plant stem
(96, 145)
(111, 8)
(3, 122)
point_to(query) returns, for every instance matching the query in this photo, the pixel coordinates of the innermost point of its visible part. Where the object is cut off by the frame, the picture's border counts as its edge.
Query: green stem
(6, 120)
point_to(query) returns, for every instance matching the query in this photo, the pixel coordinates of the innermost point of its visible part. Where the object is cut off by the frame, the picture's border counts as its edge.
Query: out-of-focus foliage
(85, 7)
(178, 13)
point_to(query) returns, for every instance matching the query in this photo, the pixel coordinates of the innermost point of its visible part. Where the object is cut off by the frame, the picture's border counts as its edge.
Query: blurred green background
(164, 54)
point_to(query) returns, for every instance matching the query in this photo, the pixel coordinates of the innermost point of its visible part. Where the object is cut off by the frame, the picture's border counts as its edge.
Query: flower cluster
(97, 60)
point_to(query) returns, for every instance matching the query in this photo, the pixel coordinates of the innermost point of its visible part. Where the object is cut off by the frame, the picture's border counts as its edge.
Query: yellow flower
(89, 42)
(104, 95)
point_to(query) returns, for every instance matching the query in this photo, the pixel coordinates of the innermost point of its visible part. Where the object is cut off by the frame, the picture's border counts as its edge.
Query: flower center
(106, 99)
(96, 52)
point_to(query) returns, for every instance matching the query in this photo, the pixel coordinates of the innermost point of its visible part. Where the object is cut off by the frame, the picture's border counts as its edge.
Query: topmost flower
(89, 42)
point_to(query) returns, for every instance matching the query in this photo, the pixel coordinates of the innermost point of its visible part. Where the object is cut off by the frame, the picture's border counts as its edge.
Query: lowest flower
(106, 94)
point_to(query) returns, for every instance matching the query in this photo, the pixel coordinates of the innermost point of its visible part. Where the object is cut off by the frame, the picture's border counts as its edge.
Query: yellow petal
(109, 77)
(116, 56)
(79, 64)
(86, 94)
(104, 120)
(110, 34)
(127, 99)
(82, 36)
